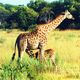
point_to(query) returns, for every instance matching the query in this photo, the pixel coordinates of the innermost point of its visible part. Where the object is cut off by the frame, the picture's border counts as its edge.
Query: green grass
(66, 45)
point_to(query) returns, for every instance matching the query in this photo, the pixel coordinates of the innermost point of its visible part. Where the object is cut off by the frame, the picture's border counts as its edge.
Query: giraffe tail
(14, 51)
(13, 56)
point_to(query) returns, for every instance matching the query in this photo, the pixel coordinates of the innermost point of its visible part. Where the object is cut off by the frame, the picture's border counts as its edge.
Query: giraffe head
(69, 15)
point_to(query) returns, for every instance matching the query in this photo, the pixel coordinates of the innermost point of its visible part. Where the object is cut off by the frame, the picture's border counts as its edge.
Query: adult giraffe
(37, 39)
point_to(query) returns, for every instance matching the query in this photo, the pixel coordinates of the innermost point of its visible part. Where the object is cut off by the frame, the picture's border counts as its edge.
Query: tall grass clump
(2, 40)
(8, 30)
(12, 73)
(27, 69)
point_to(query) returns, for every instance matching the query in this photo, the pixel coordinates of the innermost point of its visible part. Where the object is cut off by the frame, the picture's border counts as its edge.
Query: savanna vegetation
(67, 49)
(66, 43)
(38, 11)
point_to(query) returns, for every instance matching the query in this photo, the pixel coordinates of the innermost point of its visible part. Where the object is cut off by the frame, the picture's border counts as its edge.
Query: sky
(19, 2)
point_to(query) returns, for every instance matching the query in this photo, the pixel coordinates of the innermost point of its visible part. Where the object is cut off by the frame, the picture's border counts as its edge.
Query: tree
(37, 5)
(74, 7)
(46, 15)
(25, 17)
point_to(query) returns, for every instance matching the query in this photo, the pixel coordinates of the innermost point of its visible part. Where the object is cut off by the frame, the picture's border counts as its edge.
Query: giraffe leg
(37, 55)
(42, 57)
(53, 62)
(53, 59)
(19, 56)
(21, 50)
(29, 52)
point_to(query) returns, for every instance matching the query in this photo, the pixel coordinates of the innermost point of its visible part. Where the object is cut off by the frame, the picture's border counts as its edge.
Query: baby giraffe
(49, 53)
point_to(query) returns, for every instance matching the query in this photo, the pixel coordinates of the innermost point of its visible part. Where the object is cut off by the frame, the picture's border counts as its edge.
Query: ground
(66, 45)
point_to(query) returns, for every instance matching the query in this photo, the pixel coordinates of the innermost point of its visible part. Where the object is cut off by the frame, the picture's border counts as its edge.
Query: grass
(66, 45)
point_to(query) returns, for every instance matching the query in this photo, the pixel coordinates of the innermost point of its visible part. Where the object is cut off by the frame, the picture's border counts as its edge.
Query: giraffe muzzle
(73, 18)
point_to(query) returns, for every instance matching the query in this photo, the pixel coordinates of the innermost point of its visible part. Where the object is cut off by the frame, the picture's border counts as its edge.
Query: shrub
(30, 69)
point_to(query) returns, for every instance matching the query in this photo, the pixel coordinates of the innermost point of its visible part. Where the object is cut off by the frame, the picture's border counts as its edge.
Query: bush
(27, 69)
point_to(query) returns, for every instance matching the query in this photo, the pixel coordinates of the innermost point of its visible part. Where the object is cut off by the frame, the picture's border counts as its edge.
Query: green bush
(30, 69)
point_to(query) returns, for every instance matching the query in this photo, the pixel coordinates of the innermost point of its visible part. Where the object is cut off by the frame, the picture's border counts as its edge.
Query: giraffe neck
(45, 28)
(56, 22)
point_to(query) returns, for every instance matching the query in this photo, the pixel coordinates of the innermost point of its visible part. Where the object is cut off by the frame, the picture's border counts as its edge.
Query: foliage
(28, 69)
(38, 12)
(37, 5)
(24, 17)
(46, 15)
(67, 50)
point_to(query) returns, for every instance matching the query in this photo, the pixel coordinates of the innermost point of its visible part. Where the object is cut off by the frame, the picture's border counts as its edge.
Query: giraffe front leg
(42, 57)
(30, 53)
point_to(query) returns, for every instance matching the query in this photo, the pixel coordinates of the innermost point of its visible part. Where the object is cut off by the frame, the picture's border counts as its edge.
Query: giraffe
(37, 39)
(48, 53)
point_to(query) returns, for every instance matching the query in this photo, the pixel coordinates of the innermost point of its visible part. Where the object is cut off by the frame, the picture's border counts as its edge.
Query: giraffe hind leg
(20, 53)
(19, 56)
